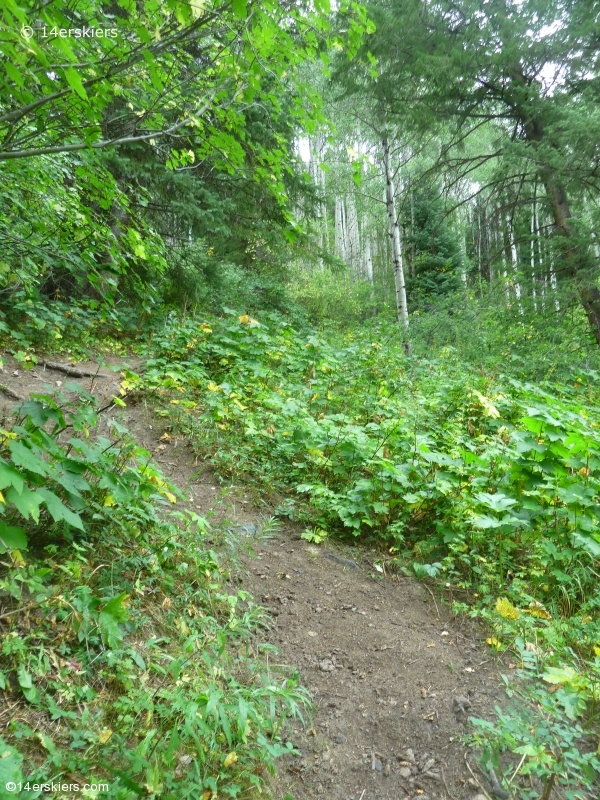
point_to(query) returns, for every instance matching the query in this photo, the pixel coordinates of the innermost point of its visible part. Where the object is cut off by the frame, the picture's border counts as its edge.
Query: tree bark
(578, 261)
(394, 232)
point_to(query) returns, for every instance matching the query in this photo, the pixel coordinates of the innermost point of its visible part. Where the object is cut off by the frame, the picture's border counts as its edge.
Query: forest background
(358, 245)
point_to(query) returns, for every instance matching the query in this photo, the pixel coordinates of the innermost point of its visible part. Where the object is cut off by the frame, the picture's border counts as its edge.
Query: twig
(515, 773)
(475, 779)
(497, 789)
(17, 610)
(446, 785)
(10, 708)
(548, 787)
(362, 795)
(73, 371)
(437, 611)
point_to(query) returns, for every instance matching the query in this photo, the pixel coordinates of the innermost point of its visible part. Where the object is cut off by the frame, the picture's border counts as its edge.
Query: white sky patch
(304, 149)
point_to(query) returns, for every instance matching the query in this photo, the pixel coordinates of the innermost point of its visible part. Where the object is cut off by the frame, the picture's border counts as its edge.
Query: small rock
(409, 755)
(326, 665)
(387, 769)
(404, 772)
(428, 765)
(472, 783)
(460, 704)
(339, 738)
(480, 797)
(377, 765)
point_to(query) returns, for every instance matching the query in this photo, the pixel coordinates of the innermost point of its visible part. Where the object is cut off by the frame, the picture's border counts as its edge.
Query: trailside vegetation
(356, 246)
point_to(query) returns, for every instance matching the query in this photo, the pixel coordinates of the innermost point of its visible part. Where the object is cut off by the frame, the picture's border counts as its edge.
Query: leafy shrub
(484, 482)
(126, 657)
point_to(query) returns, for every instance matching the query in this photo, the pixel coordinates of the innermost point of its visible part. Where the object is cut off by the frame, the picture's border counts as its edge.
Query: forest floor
(392, 675)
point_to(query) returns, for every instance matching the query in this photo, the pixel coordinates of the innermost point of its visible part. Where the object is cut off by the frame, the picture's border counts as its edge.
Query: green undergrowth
(486, 484)
(129, 660)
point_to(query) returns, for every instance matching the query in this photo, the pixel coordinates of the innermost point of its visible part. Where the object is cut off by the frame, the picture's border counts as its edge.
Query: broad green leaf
(59, 511)
(10, 477)
(24, 457)
(12, 538)
(10, 767)
(113, 612)
(29, 690)
(75, 82)
(27, 503)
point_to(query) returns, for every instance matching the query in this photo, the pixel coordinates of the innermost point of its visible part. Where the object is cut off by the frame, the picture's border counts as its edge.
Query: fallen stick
(475, 779)
(73, 371)
(10, 393)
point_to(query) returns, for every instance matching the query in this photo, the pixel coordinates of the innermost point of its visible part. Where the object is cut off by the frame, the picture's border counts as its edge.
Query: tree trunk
(577, 256)
(394, 229)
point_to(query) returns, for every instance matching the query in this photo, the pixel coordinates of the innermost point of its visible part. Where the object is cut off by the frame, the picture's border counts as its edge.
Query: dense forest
(355, 250)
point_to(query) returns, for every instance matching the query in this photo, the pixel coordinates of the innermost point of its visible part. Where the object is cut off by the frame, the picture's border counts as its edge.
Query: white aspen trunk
(368, 260)
(532, 255)
(554, 284)
(502, 245)
(401, 304)
(339, 228)
(353, 237)
(316, 174)
(412, 233)
(514, 257)
(479, 253)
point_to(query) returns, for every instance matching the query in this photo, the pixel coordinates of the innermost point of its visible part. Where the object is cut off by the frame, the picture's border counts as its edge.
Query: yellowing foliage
(506, 609)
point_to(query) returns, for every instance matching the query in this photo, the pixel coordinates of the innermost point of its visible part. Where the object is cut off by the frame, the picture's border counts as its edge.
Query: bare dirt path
(393, 678)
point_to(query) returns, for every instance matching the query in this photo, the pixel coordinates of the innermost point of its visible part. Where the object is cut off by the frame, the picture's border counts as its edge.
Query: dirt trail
(393, 678)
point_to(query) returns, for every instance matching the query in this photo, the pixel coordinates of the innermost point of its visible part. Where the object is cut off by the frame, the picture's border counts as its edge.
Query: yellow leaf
(537, 610)
(212, 387)
(2, 500)
(597, 651)
(489, 408)
(506, 610)
(244, 319)
(240, 406)
(170, 496)
(17, 558)
(109, 500)
(230, 759)
(104, 736)
(494, 642)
